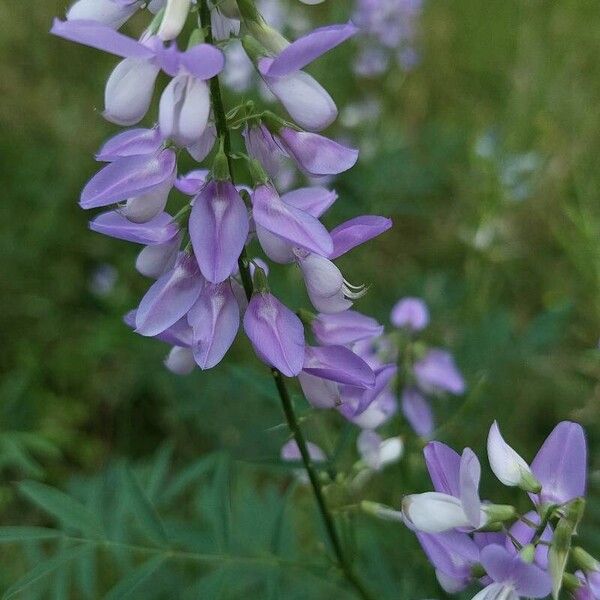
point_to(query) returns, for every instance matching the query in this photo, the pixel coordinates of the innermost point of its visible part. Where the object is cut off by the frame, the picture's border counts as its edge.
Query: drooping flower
(377, 452)
(411, 314)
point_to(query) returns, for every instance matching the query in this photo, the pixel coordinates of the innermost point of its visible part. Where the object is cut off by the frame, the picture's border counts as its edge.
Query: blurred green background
(486, 156)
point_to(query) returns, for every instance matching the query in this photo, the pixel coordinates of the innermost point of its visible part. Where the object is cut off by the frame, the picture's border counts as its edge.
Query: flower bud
(174, 17)
(527, 553)
(497, 513)
(584, 560)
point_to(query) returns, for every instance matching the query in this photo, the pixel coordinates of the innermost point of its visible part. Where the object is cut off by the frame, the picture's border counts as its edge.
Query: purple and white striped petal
(288, 222)
(130, 143)
(276, 333)
(309, 47)
(218, 228)
(159, 230)
(215, 320)
(170, 297)
(315, 154)
(357, 231)
(339, 364)
(128, 177)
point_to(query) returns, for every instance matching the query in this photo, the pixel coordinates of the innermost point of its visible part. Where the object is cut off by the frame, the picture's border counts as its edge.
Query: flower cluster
(202, 289)
(389, 29)
(512, 556)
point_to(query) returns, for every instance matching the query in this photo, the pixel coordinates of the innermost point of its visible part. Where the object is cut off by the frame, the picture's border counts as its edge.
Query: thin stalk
(284, 395)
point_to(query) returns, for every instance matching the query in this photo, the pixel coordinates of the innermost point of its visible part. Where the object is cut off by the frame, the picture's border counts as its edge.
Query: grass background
(486, 156)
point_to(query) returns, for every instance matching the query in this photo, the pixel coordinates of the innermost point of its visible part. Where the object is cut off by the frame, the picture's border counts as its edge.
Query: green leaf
(129, 584)
(25, 534)
(160, 468)
(220, 502)
(187, 476)
(68, 510)
(144, 511)
(42, 570)
(85, 573)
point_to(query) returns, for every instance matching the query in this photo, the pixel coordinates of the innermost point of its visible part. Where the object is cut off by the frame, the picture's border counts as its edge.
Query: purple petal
(218, 229)
(290, 451)
(345, 328)
(304, 98)
(191, 183)
(215, 320)
(159, 230)
(376, 414)
(315, 154)
(411, 313)
(200, 149)
(436, 372)
(443, 465)
(524, 533)
(469, 477)
(356, 231)
(288, 222)
(276, 333)
(275, 247)
(128, 177)
(262, 147)
(309, 47)
(528, 579)
(130, 143)
(561, 464)
(417, 411)
(91, 33)
(178, 334)
(170, 297)
(451, 552)
(203, 61)
(383, 377)
(312, 200)
(339, 364)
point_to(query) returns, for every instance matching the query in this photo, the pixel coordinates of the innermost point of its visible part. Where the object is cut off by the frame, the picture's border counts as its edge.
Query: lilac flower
(131, 142)
(215, 320)
(345, 328)
(512, 577)
(560, 465)
(378, 412)
(218, 229)
(337, 363)
(376, 452)
(357, 231)
(437, 372)
(276, 333)
(261, 145)
(159, 230)
(170, 298)
(410, 313)
(417, 411)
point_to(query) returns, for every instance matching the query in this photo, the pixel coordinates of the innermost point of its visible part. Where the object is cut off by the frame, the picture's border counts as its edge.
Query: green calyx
(498, 513)
(257, 173)
(261, 284)
(584, 560)
(220, 166)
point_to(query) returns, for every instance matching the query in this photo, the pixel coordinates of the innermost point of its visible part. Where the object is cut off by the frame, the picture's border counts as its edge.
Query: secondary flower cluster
(512, 556)
(199, 295)
(388, 29)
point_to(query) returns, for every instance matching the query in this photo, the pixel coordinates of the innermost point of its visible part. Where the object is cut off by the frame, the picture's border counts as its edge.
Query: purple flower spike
(184, 109)
(339, 364)
(215, 319)
(357, 231)
(107, 12)
(512, 578)
(218, 229)
(294, 225)
(437, 372)
(128, 177)
(307, 102)
(315, 154)
(130, 143)
(314, 200)
(561, 464)
(345, 328)
(417, 411)
(410, 313)
(310, 47)
(276, 333)
(159, 230)
(170, 297)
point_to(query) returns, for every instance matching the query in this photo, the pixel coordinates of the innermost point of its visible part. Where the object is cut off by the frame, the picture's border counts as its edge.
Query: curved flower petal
(191, 183)
(180, 361)
(324, 284)
(433, 512)
(174, 18)
(203, 61)
(437, 371)
(320, 393)
(275, 247)
(218, 228)
(107, 12)
(170, 297)
(200, 149)
(339, 364)
(417, 411)
(313, 200)
(315, 154)
(130, 143)
(410, 313)
(443, 465)
(357, 231)
(276, 333)
(345, 328)
(159, 230)
(469, 476)
(155, 260)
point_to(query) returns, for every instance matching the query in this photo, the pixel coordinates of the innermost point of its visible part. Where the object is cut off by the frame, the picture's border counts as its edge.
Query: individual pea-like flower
(377, 452)
(437, 372)
(417, 411)
(411, 314)
(290, 452)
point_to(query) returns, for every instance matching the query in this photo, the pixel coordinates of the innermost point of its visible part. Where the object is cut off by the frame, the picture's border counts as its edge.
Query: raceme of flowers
(197, 301)
(511, 556)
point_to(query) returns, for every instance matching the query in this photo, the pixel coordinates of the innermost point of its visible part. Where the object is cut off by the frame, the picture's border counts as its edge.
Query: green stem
(284, 395)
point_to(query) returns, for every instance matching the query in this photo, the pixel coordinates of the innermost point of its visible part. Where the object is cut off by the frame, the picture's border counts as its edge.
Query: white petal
(107, 12)
(496, 591)
(307, 102)
(176, 12)
(129, 91)
(320, 393)
(324, 284)
(180, 360)
(433, 512)
(506, 464)
(144, 208)
(391, 450)
(153, 261)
